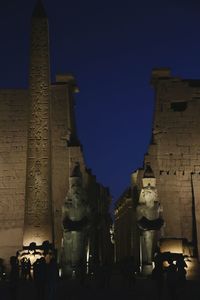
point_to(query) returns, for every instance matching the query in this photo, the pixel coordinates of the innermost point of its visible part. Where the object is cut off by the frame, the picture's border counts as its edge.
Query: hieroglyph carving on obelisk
(38, 210)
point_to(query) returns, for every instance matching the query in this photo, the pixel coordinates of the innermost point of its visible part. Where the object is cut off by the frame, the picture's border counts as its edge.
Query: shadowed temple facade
(47, 193)
(173, 163)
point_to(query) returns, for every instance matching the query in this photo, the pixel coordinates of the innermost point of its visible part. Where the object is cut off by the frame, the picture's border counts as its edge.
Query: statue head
(148, 196)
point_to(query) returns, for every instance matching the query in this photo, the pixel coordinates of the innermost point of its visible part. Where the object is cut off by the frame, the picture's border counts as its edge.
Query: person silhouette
(40, 273)
(51, 279)
(158, 274)
(171, 280)
(181, 272)
(2, 269)
(14, 277)
(25, 268)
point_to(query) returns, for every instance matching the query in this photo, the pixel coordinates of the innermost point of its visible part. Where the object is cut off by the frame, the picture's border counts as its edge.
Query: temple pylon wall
(174, 152)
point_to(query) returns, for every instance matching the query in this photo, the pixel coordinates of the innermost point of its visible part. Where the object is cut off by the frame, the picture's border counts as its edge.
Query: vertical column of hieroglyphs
(38, 212)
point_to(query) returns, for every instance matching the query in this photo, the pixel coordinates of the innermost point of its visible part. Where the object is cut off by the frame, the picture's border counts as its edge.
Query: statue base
(147, 269)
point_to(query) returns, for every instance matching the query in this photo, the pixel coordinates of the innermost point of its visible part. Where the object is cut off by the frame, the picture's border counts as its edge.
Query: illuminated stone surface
(174, 155)
(13, 147)
(38, 136)
(38, 204)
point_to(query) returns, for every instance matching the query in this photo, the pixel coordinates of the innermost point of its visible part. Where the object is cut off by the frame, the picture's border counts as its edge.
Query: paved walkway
(144, 289)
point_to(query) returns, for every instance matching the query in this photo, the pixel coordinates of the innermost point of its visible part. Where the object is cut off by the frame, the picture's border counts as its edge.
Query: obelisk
(38, 205)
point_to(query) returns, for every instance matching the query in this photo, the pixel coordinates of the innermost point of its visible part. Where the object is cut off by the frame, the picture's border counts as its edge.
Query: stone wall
(13, 147)
(126, 233)
(38, 149)
(174, 153)
(196, 208)
(60, 154)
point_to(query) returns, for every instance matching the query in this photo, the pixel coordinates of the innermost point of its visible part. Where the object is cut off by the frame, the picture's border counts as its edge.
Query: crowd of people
(173, 276)
(45, 276)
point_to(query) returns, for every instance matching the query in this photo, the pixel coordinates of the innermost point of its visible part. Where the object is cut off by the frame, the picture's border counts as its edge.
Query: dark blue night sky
(111, 46)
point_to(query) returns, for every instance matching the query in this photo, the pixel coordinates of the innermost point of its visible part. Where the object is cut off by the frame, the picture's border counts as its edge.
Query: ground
(143, 289)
